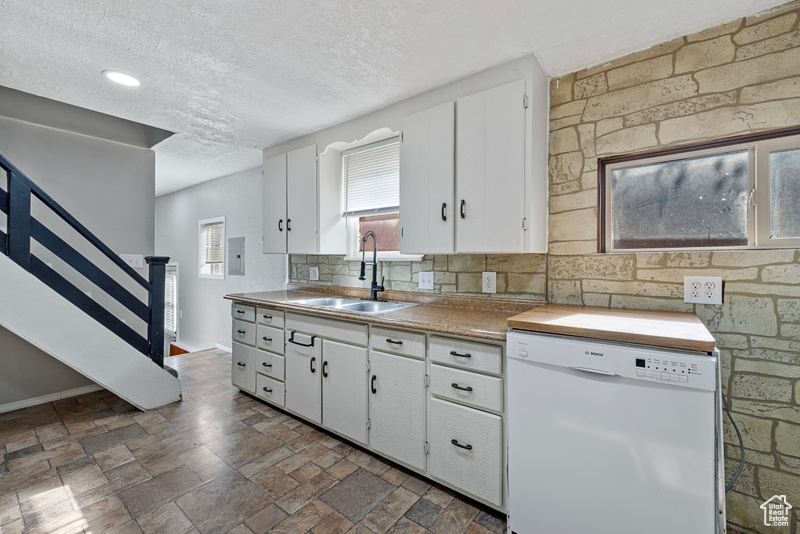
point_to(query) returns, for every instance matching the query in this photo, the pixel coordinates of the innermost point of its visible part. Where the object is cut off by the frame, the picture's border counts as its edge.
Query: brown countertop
(484, 318)
(664, 329)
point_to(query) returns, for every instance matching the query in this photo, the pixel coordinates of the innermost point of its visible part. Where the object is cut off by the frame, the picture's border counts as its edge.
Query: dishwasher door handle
(594, 371)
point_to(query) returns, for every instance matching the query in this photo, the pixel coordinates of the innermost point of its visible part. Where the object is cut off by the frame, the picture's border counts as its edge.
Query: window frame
(200, 256)
(759, 146)
(176, 302)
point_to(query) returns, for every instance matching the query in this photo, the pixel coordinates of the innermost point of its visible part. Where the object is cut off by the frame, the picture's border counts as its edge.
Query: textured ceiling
(231, 77)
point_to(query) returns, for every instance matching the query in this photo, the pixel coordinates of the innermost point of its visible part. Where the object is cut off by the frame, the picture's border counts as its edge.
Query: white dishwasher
(607, 437)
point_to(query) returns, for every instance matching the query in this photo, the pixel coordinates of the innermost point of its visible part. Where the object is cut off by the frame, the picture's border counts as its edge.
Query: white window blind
(213, 246)
(171, 302)
(372, 178)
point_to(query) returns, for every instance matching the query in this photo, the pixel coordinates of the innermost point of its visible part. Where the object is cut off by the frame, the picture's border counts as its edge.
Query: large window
(212, 248)
(171, 302)
(371, 179)
(733, 193)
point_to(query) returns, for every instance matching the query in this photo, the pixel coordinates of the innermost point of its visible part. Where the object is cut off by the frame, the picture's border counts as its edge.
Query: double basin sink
(355, 305)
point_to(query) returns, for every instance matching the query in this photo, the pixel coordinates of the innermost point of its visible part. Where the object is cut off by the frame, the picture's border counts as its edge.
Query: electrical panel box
(236, 256)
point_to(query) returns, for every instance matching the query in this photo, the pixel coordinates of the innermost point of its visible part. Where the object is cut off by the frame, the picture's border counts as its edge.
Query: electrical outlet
(313, 273)
(426, 280)
(702, 289)
(489, 282)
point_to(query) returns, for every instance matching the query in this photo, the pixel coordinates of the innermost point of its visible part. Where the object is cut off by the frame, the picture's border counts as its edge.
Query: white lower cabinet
(243, 367)
(397, 407)
(344, 389)
(270, 389)
(303, 362)
(466, 449)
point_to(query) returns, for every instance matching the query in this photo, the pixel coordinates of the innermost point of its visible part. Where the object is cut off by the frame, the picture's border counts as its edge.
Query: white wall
(206, 315)
(109, 187)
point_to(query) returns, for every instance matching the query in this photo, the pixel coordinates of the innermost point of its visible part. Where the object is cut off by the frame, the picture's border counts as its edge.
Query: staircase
(43, 307)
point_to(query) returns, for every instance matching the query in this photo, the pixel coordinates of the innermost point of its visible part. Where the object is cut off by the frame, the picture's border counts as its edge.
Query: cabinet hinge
(369, 423)
(427, 381)
(402, 231)
(401, 137)
(316, 158)
(753, 197)
(525, 101)
(524, 223)
(368, 365)
(427, 448)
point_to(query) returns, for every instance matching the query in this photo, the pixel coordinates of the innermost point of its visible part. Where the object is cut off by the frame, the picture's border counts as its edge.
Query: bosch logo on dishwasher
(592, 353)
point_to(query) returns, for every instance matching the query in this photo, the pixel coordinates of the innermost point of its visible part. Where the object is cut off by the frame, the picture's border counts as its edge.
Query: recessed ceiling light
(121, 78)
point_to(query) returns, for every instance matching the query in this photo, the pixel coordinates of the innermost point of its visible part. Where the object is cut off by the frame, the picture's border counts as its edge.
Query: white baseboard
(222, 347)
(18, 405)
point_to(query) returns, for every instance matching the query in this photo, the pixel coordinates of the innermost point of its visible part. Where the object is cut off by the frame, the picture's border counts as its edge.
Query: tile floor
(219, 461)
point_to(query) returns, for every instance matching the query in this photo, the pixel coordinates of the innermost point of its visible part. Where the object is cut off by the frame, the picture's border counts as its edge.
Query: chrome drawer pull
(465, 355)
(240, 364)
(265, 364)
(267, 389)
(462, 388)
(267, 339)
(457, 444)
(242, 331)
(393, 342)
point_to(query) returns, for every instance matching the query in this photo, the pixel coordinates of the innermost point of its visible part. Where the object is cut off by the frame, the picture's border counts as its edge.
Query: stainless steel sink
(355, 305)
(375, 306)
(328, 302)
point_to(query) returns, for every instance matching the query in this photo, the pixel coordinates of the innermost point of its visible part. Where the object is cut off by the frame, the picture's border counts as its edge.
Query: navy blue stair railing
(15, 202)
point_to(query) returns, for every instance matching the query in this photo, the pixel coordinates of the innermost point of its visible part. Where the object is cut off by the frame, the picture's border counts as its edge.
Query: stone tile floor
(220, 461)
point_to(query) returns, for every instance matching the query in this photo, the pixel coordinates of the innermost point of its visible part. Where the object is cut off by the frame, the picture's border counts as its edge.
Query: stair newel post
(19, 221)
(155, 330)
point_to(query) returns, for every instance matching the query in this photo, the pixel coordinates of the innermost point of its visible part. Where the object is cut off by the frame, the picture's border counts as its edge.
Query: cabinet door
(303, 363)
(301, 203)
(490, 175)
(397, 407)
(243, 367)
(427, 181)
(344, 389)
(274, 192)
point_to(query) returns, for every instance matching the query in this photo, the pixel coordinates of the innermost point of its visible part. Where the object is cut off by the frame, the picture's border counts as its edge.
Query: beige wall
(737, 78)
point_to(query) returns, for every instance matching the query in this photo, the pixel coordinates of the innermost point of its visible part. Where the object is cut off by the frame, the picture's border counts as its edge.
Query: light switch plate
(134, 260)
(426, 280)
(702, 289)
(489, 282)
(313, 273)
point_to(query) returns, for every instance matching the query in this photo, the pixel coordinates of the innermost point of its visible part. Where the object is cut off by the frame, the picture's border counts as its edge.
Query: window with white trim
(371, 182)
(171, 302)
(212, 248)
(741, 192)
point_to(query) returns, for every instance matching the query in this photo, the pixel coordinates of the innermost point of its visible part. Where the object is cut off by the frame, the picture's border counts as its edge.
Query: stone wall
(520, 275)
(736, 78)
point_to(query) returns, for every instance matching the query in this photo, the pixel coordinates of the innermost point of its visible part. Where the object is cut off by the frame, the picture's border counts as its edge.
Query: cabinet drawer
(243, 332)
(397, 341)
(270, 364)
(269, 338)
(270, 390)
(243, 312)
(333, 329)
(466, 449)
(465, 387)
(270, 316)
(243, 367)
(466, 354)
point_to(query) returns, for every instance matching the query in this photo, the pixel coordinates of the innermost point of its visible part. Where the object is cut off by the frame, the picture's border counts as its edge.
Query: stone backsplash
(737, 78)
(520, 275)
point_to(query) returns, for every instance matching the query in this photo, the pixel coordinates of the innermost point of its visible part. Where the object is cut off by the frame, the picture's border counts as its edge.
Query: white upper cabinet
(490, 170)
(302, 230)
(427, 214)
(274, 191)
(290, 202)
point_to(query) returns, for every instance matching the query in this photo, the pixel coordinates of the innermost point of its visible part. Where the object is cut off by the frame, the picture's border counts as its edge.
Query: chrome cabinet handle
(462, 388)
(457, 444)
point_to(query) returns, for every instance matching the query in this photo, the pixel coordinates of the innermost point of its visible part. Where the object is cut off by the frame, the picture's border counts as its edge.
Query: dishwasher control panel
(602, 358)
